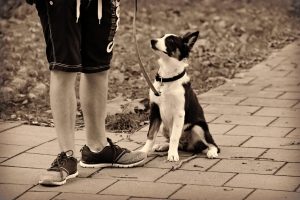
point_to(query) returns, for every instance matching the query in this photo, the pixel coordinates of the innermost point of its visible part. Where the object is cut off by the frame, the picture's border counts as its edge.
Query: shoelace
(60, 161)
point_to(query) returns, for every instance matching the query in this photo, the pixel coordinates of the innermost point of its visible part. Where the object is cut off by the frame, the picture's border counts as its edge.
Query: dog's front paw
(161, 147)
(173, 156)
(212, 153)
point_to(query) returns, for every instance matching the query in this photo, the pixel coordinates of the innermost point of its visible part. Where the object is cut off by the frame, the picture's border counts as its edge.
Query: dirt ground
(234, 35)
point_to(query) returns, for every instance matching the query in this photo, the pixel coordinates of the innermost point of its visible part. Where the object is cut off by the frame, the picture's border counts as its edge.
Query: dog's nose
(153, 43)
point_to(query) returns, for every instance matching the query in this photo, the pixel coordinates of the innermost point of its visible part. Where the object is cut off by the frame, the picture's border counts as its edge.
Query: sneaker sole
(58, 183)
(116, 165)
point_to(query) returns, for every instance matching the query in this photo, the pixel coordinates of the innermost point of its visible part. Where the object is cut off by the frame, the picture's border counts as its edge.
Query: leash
(149, 82)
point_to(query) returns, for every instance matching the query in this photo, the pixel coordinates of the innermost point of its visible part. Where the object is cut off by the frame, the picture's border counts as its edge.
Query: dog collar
(174, 78)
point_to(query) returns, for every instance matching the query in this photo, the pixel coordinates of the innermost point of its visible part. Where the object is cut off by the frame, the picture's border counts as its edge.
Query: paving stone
(274, 61)
(196, 177)
(242, 80)
(286, 122)
(140, 137)
(129, 145)
(38, 131)
(11, 191)
(268, 102)
(240, 152)
(285, 66)
(269, 142)
(7, 150)
(86, 172)
(293, 75)
(255, 93)
(211, 117)
(282, 155)
(284, 88)
(144, 129)
(220, 100)
(138, 174)
(268, 74)
(52, 148)
(290, 169)
(259, 181)
(30, 160)
(254, 86)
(200, 164)
(143, 198)
(74, 196)
(8, 125)
(18, 175)
(78, 185)
(290, 95)
(247, 166)
(219, 129)
(294, 134)
(278, 81)
(245, 120)
(261, 67)
(297, 106)
(279, 112)
(273, 195)
(229, 140)
(231, 109)
(23, 140)
(211, 193)
(216, 92)
(38, 195)
(260, 131)
(142, 189)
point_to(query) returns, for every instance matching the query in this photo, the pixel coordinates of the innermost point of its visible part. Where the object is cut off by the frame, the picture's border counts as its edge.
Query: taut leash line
(138, 53)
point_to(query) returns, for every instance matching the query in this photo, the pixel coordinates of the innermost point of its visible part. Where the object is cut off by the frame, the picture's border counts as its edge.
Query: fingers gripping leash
(138, 53)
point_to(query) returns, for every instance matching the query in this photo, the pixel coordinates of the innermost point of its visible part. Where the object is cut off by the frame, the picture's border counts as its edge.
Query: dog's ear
(190, 39)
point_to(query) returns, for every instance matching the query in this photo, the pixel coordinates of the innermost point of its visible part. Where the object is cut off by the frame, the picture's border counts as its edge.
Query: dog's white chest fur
(171, 101)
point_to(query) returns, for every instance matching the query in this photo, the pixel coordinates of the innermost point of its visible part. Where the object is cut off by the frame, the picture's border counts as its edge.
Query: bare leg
(63, 106)
(93, 96)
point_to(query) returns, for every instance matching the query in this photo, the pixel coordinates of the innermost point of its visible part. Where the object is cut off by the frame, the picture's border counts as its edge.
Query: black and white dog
(177, 112)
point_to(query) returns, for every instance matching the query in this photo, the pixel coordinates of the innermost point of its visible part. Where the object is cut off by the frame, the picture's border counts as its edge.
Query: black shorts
(85, 46)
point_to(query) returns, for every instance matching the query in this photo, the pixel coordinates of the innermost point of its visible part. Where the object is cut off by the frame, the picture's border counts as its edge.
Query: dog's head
(174, 46)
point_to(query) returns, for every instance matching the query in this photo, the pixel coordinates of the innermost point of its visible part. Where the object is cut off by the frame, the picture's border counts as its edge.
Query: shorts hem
(89, 70)
(65, 68)
(77, 68)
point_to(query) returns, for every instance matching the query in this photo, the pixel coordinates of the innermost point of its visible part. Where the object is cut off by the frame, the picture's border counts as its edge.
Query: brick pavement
(255, 118)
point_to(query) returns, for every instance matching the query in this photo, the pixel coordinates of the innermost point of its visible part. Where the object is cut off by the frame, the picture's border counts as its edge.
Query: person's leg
(63, 106)
(63, 37)
(96, 53)
(93, 96)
